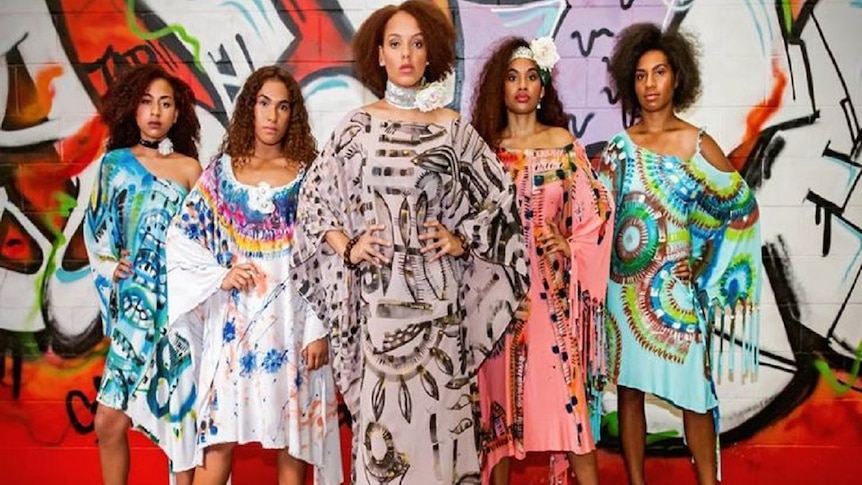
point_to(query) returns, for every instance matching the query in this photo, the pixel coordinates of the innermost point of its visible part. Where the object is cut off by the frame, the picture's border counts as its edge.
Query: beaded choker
(401, 98)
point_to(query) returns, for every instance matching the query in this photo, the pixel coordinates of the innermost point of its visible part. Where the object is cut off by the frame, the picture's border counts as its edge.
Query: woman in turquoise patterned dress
(143, 178)
(685, 264)
(263, 375)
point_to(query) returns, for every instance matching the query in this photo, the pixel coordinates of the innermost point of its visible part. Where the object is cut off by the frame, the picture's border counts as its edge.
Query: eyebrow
(531, 68)
(641, 69)
(166, 96)
(399, 35)
(270, 99)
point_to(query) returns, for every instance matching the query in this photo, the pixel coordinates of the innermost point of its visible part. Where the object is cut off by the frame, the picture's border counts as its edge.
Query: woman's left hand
(682, 270)
(316, 354)
(444, 242)
(551, 241)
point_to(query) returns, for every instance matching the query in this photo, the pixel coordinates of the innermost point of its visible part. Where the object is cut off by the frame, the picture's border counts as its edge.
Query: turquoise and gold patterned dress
(668, 336)
(131, 209)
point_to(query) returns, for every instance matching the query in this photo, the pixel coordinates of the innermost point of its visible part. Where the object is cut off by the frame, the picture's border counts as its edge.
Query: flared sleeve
(332, 292)
(196, 261)
(103, 235)
(495, 275)
(590, 210)
(608, 166)
(726, 249)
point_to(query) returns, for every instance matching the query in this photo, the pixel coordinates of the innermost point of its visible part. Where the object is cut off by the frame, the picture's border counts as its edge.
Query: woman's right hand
(240, 277)
(124, 267)
(366, 247)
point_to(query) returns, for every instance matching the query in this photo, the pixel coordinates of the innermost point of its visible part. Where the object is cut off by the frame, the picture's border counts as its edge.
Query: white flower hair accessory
(542, 51)
(431, 96)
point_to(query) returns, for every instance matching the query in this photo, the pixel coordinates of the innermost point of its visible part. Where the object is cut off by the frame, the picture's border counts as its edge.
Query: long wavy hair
(298, 144)
(120, 104)
(489, 115)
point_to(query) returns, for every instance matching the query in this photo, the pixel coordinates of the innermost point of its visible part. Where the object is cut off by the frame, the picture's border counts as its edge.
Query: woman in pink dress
(540, 389)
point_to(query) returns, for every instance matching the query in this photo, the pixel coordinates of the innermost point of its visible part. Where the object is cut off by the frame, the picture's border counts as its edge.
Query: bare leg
(633, 432)
(111, 428)
(185, 478)
(700, 435)
(500, 473)
(217, 464)
(291, 471)
(586, 468)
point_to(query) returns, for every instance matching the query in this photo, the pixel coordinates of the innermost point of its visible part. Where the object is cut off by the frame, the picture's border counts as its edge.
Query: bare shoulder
(560, 137)
(189, 164)
(190, 168)
(714, 154)
(376, 108)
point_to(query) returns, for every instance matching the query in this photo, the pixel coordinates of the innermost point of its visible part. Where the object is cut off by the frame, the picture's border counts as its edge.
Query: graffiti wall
(783, 84)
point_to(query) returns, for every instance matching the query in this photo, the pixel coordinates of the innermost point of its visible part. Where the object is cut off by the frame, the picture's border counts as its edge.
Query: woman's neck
(267, 152)
(521, 126)
(658, 121)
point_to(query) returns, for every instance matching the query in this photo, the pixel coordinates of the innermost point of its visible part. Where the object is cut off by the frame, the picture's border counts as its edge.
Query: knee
(632, 397)
(221, 450)
(111, 425)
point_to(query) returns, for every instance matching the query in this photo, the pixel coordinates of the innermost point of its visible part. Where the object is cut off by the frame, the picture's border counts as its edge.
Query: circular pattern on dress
(669, 302)
(669, 180)
(737, 283)
(614, 346)
(640, 239)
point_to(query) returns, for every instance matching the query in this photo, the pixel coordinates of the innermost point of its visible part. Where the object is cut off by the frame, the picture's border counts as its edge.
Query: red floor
(819, 443)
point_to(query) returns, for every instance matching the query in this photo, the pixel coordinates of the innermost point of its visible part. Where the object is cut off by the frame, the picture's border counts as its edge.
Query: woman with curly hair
(410, 249)
(143, 178)
(685, 265)
(264, 376)
(566, 213)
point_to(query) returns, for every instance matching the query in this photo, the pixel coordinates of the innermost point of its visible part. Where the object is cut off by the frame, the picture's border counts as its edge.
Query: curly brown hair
(438, 31)
(120, 104)
(636, 40)
(489, 115)
(298, 144)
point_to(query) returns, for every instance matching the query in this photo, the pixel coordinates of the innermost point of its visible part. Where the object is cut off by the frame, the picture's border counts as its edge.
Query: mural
(783, 82)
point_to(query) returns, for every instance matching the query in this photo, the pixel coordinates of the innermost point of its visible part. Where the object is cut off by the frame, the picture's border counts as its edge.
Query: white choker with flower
(542, 51)
(426, 98)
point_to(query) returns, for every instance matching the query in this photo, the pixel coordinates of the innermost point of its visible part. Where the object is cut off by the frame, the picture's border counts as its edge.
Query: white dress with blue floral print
(254, 386)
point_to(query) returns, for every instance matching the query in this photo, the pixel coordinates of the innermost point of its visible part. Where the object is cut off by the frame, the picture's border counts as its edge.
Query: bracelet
(347, 249)
(465, 245)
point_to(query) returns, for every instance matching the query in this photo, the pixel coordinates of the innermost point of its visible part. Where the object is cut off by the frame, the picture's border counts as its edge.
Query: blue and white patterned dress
(131, 209)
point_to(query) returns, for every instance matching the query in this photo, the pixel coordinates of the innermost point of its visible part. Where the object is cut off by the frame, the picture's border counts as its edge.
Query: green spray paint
(839, 387)
(179, 30)
(611, 423)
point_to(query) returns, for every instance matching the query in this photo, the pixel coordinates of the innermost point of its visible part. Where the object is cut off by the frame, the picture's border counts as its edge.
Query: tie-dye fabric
(130, 209)
(540, 389)
(254, 385)
(408, 335)
(670, 337)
